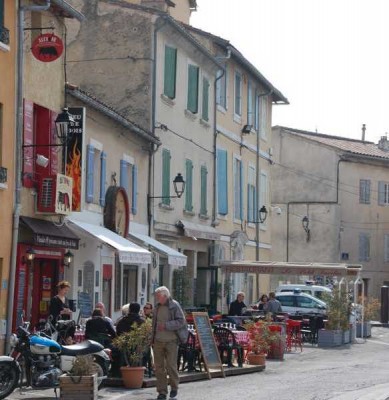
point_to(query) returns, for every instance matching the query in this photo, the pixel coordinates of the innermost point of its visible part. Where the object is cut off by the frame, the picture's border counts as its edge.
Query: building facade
(331, 194)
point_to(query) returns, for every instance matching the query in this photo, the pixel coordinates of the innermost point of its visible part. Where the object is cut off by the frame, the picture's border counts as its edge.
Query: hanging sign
(47, 47)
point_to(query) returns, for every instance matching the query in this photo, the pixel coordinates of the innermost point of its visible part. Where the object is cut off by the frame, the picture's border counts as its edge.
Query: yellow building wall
(7, 134)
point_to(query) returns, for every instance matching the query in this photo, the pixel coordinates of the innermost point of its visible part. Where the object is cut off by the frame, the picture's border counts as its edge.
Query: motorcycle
(38, 361)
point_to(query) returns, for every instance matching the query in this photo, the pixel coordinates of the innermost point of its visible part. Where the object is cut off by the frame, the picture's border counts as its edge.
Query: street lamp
(262, 214)
(62, 123)
(30, 254)
(68, 258)
(179, 185)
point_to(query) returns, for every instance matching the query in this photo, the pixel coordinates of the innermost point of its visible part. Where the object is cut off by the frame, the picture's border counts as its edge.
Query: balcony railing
(3, 175)
(4, 35)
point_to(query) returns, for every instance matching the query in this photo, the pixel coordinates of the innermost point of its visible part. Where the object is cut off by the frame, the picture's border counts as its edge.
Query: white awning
(128, 252)
(174, 257)
(199, 231)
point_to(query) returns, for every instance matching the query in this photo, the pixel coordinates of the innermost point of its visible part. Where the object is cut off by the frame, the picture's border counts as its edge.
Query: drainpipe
(18, 160)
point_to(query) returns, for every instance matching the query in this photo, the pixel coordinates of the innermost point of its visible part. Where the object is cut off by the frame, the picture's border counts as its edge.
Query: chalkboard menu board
(85, 304)
(207, 342)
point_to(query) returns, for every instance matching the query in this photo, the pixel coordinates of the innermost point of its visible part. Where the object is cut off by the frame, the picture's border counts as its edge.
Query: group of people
(269, 304)
(169, 329)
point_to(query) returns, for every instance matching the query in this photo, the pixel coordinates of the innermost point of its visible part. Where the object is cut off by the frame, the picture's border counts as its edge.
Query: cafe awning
(174, 257)
(46, 233)
(128, 252)
(291, 268)
(198, 231)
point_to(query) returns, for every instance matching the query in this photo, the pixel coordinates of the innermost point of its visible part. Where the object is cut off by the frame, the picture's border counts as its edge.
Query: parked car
(297, 302)
(313, 290)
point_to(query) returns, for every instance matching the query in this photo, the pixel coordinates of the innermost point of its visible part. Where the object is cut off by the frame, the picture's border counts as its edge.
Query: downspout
(336, 201)
(18, 160)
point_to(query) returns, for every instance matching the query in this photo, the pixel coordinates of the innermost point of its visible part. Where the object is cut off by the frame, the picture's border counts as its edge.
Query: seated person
(99, 329)
(237, 306)
(125, 324)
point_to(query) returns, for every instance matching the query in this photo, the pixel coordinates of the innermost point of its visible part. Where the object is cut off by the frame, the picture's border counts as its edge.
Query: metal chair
(293, 335)
(190, 355)
(227, 344)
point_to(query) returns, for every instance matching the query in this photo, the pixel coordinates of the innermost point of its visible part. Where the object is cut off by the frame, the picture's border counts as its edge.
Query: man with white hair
(237, 306)
(169, 329)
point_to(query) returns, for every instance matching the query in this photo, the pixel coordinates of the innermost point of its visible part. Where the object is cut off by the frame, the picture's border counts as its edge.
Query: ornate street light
(262, 214)
(68, 258)
(179, 185)
(30, 254)
(62, 123)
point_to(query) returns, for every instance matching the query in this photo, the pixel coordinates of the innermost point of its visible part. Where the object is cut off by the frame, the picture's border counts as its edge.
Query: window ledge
(205, 123)
(3, 186)
(251, 225)
(167, 100)
(166, 207)
(222, 217)
(263, 227)
(190, 115)
(237, 119)
(4, 47)
(238, 221)
(189, 213)
(204, 217)
(222, 109)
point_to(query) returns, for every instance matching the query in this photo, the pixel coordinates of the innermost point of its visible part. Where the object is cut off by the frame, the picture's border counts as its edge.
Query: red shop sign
(47, 47)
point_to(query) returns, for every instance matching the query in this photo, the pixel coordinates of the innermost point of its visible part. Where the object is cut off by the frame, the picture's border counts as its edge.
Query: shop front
(40, 266)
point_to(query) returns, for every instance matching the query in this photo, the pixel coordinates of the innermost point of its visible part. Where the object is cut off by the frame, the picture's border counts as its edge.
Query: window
(386, 247)
(166, 157)
(129, 181)
(238, 189)
(205, 106)
(383, 193)
(251, 196)
(203, 189)
(95, 175)
(169, 88)
(286, 301)
(263, 194)
(222, 182)
(262, 116)
(238, 94)
(250, 104)
(4, 32)
(189, 186)
(221, 89)
(364, 191)
(193, 89)
(1, 13)
(306, 302)
(364, 247)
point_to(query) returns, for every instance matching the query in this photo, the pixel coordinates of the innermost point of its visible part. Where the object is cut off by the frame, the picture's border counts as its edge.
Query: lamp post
(62, 124)
(262, 214)
(179, 188)
(68, 258)
(30, 254)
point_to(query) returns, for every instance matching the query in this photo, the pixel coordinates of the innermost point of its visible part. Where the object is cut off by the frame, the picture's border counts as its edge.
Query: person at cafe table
(237, 306)
(273, 306)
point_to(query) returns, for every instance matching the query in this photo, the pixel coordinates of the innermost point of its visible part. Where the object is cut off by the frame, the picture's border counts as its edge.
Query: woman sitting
(99, 329)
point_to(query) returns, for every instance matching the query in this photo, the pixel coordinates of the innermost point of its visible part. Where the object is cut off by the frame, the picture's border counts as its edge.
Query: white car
(313, 290)
(296, 302)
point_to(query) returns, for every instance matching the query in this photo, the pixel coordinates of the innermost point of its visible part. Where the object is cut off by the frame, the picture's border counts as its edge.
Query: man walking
(169, 329)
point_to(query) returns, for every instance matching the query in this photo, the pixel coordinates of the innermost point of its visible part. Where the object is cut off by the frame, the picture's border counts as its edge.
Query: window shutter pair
(364, 191)
(189, 185)
(381, 193)
(193, 88)
(170, 72)
(386, 244)
(364, 247)
(205, 107)
(124, 183)
(166, 176)
(222, 182)
(203, 200)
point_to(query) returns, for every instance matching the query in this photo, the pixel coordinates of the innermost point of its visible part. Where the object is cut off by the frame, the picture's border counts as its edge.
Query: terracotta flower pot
(132, 377)
(256, 359)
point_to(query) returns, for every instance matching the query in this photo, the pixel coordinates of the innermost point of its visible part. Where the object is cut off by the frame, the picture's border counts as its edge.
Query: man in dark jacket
(99, 329)
(237, 306)
(169, 329)
(125, 324)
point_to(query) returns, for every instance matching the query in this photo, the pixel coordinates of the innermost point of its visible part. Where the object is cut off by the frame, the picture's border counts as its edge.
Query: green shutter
(170, 72)
(1, 13)
(203, 200)
(189, 186)
(166, 176)
(193, 88)
(205, 108)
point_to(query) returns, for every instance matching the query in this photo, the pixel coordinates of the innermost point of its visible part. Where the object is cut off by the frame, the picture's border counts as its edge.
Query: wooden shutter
(170, 72)
(203, 198)
(241, 186)
(250, 113)
(1, 13)
(90, 173)
(238, 94)
(250, 201)
(166, 176)
(205, 106)
(381, 193)
(103, 172)
(124, 175)
(193, 88)
(134, 205)
(189, 185)
(364, 247)
(222, 182)
(386, 248)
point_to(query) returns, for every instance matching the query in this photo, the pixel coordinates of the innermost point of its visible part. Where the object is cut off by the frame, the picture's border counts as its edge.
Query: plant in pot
(337, 327)
(370, 313)
(260, 340)
(134, 345)
(80, 381)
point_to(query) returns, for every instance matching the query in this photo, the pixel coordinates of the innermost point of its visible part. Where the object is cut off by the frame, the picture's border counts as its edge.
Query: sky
(330, 58)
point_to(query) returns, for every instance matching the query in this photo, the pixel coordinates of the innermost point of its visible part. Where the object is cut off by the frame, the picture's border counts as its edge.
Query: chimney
(363, 132)
(383, 144)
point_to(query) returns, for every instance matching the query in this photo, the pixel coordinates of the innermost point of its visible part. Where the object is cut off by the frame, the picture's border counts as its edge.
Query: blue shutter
(134, 206)
(103, 173)
(124, 175)
(90, 172)
(241, 190)
(249, 203)
(222, 182)
(381, 193)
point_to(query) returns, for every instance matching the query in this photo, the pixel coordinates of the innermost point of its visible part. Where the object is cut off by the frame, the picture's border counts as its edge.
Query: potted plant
(371, 312)
(336, 331)
(260, 340)
(81, 381)
(134, 345)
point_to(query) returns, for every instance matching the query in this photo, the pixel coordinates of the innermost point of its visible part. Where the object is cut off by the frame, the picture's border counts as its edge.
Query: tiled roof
(353, 146)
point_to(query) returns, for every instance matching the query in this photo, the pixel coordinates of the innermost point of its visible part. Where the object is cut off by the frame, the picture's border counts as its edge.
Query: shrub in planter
(371, 312)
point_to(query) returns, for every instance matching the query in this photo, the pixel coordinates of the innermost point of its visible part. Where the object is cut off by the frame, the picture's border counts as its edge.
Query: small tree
(338, 311)
(135, 343)
(260, 336)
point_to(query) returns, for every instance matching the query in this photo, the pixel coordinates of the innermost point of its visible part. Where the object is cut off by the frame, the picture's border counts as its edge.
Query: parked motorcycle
(38, 361)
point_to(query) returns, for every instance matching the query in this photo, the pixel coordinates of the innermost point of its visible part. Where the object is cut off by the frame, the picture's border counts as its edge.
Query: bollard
(384, 304)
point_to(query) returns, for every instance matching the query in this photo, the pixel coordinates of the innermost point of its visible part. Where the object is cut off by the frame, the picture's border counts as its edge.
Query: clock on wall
(117, 210)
